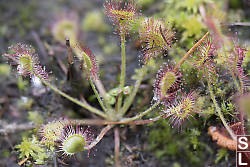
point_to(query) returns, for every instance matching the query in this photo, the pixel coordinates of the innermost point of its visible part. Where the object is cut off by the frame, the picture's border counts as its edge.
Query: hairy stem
(241, 86)
(141, 114)
(14, 128)
(235, 81)
(97, 95)
(131, 97)
(190, 52)
(218, 110)
(99, 137)
(122, 122)
(240, 89)
(123, 70)
(100, 87)
(86, 106)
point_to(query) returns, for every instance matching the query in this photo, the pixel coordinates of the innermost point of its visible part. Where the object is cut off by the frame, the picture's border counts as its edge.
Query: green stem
(86, 106)
(100, 87)
(97, 95)
(141, 114)
(97, 81)
(241, 86)
(218, 110)
(131, 98)
(235, 82)
(123, 70)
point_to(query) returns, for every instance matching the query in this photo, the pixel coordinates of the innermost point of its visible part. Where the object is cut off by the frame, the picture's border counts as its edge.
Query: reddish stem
(117, 147)
(190, 52)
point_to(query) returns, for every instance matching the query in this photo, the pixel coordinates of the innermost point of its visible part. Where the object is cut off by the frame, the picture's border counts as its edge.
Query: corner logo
(243, 151)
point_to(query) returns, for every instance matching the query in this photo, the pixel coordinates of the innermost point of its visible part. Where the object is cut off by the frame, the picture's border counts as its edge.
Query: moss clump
(187, 148)
(4, 70)
(31, 148)
(94, 21)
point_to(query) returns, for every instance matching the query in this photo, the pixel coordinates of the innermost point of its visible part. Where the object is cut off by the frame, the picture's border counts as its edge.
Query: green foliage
(35, 117)
(3, 30)
(110, 49)
(168, 144)
(227, 108)
(25, 103)
(192, 76)
(222, 153)
(116, 91)
(193, 27)
(4, 70)
(111, 99)
(32, 148)
(145, 3)
(94, 21)
(185, 15)
(22, 84)
(194, 134)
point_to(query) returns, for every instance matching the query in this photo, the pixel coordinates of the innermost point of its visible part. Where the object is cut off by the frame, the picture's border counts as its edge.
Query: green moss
(145, 3)
(22, 84)
(110, 49)
(222, 153)
(3, 30)
(184, 146)
(94, 21)
(5, 70)
(193, 27)
(101, 40)
(35, 117)
(31, 147)
(192, 76)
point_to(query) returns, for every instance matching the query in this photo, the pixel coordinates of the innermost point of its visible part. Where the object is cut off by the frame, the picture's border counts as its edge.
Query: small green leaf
(222, 153)
(35, 117)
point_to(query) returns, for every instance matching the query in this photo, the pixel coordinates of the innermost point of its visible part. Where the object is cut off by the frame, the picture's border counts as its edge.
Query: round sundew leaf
(26, 60)
(25, 64)
(182, 108)
(74, 144)
(187, 104)
(123, 14)
(52, 132)
(167, 82)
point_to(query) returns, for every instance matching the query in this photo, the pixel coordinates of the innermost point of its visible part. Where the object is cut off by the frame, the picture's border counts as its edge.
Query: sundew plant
(172, 100)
